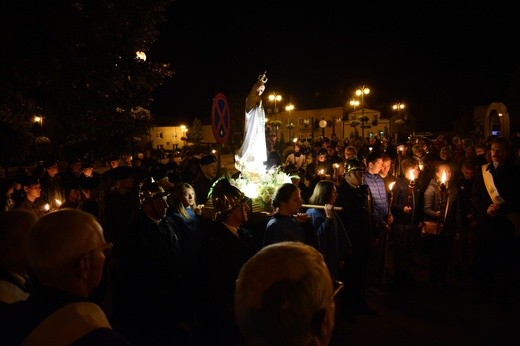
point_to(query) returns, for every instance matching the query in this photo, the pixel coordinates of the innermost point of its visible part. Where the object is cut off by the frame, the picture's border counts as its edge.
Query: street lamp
(289, 108)
(354, 103)
(362, 92)
(274, 97)
(184, 137)
(398, 107)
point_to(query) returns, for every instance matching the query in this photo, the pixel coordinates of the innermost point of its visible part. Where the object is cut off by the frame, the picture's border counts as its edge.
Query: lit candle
(443, 181)
(411, 175)
(58, 203)
(421, 166)
(322, 171)
(390, 193)
(46, 207)
(411, 185)
(443, 177)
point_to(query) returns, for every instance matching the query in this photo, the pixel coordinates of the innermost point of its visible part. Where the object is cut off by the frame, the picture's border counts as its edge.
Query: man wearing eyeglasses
(67, 252)
(285, 296)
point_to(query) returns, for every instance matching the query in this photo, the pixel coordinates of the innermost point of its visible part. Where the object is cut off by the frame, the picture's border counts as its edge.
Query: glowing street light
(362, 92)
(274, 97)
(398, 106)
(184, 137)
(289, 108)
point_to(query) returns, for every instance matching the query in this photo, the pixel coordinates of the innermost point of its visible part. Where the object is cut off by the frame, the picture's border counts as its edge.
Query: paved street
(432, 318)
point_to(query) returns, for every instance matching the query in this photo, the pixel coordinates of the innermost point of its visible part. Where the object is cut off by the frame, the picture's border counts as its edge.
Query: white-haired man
(67, 252)
(285, 296)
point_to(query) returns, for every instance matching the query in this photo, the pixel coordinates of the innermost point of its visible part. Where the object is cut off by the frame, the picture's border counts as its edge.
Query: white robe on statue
(252, 156)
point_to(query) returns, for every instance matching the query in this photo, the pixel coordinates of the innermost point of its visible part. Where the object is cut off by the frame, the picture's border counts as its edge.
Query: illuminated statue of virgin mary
(250, 159)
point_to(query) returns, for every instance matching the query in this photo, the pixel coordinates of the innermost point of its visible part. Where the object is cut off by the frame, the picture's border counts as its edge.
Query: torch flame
(443, 177)
(411, 174)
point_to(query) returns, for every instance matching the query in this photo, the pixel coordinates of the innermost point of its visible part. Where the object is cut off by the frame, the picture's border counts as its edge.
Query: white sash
(490, 186)
(68, 324)
(514, 216)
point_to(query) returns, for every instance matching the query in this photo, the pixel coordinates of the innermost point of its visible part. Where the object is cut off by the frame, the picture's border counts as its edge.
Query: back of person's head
(59, 242)
(283, 194)
(15, 228)
(284, 296)
(322, 193)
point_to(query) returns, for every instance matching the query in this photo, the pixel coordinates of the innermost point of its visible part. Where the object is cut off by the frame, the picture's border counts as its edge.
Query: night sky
(440, 60)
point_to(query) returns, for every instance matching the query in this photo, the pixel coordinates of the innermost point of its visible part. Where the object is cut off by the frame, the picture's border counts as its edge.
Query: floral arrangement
(261, 186)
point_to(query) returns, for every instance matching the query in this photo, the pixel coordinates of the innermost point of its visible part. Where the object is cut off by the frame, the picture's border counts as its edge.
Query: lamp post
(323, 125)
(274, 97)
(362, 92)
(398, 107)
(289, 108)
(353, 103)
(184, 137)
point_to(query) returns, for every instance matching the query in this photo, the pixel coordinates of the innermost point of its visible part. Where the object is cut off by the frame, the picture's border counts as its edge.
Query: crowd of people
(171, 276)
(128, 256)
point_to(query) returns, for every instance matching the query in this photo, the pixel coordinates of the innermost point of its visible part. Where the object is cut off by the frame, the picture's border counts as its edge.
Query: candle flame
(411, 174)
(322, 171)
(391, 185)
(47, 207)
(443, 177)
(336, 165)
(58, 202)
(421, 166)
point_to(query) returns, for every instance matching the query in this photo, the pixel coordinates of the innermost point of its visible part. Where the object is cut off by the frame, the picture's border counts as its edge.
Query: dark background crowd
(181, 232)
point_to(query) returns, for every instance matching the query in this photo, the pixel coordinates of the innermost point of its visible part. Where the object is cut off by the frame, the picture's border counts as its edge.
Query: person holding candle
(406, 208)
(32, 200)
(441, 204)
(320, 169)
(52, 185)
(386, 170)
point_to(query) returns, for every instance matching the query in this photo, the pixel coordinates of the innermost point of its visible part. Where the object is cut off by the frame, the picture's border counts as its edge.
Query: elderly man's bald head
(279, 293)
(61, 237)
